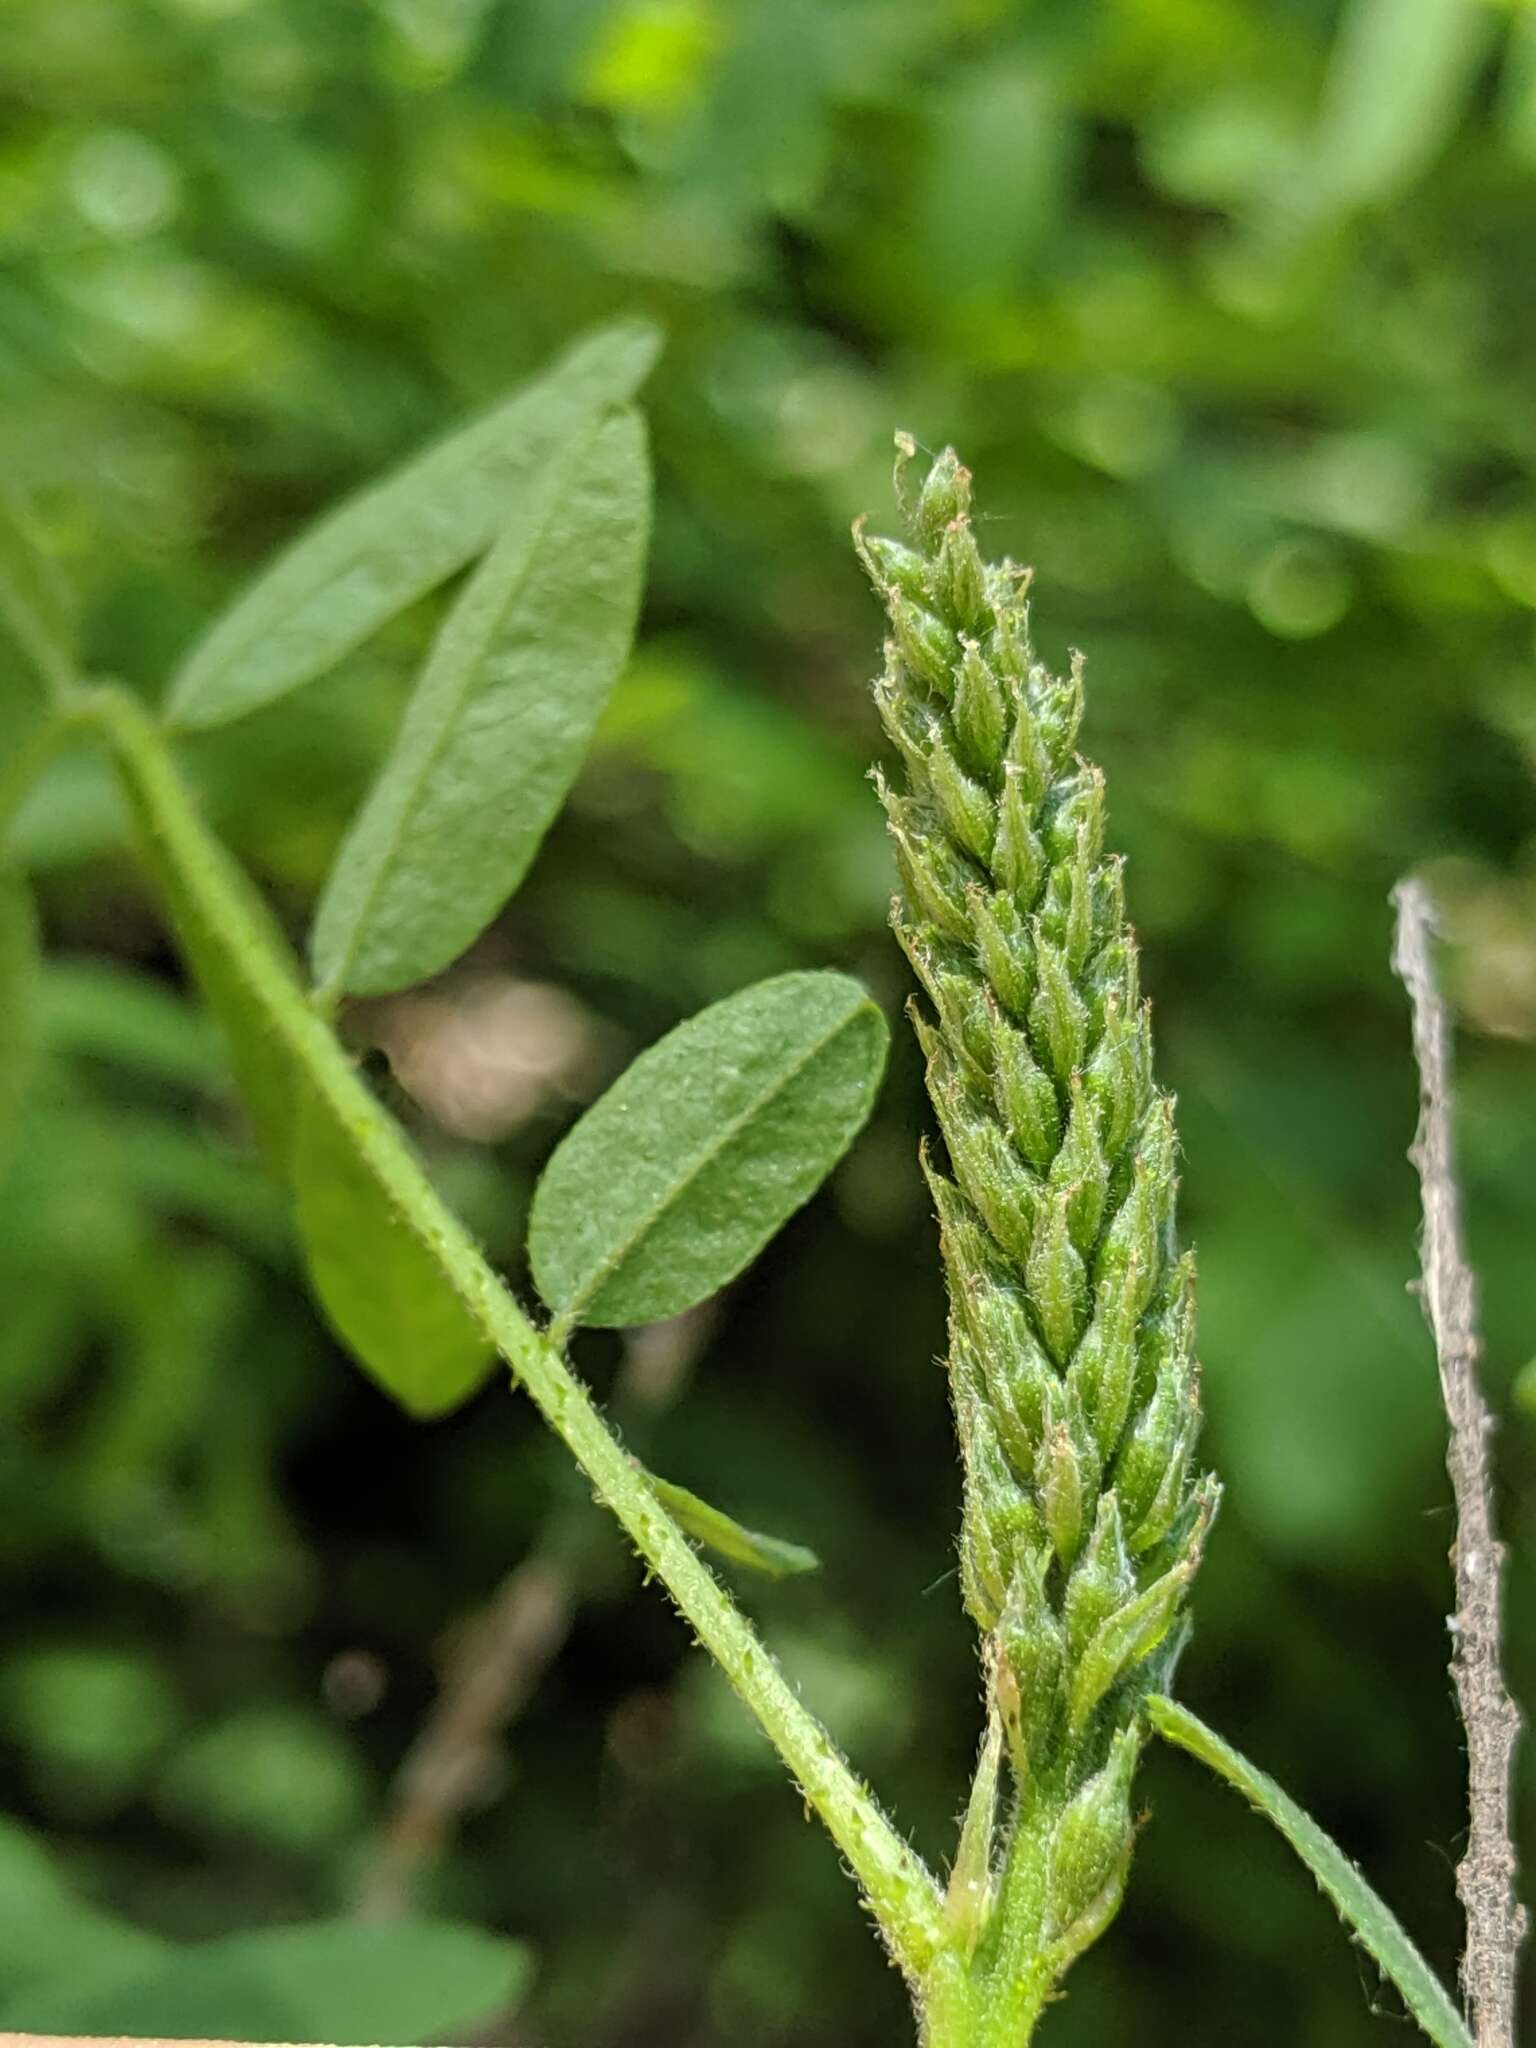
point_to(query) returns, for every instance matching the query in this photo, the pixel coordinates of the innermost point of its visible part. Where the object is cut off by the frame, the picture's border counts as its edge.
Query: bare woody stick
(1486, 1876)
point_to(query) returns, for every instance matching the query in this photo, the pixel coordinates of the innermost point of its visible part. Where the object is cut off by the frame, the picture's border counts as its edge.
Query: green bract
(725, 1536)
(1376, 1927)
(1071, 1308)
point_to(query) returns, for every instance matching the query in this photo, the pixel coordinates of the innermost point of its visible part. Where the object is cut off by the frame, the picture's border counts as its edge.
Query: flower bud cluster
(1072, 1366)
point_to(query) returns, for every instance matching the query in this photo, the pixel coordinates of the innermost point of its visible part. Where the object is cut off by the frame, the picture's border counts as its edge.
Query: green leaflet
(1374, 144)
(499, 723)
(92, 1009)
(715, 1529)
(36, 617)
(18, 996)
(49, 1936)
(393, 542)
(680, 1174)
(380, 1287)
(1379, 1930)
(340, 1980)
(427, 1351)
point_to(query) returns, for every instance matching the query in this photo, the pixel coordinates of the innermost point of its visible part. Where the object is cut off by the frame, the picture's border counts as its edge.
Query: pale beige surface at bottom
(134, 2041)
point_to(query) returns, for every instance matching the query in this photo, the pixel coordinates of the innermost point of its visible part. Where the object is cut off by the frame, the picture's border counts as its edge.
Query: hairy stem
(901, 1892)
(1485, 1877)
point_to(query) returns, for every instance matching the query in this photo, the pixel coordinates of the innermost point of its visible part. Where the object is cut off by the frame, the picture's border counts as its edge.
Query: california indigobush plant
(1071, 1326)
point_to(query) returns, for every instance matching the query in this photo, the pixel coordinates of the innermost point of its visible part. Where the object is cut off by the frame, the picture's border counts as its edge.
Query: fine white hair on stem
(1486, 1875)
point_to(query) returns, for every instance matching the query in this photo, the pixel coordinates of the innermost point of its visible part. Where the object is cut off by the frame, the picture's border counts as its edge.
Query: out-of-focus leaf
(267, 1777)
(18, 996)
(342, 1981)
(170, 1169)
(1374, 1923)
(396, 540)
(1402, 73)
(249, 977)
(381, 1290)
(49, 1936)
(91, 1008)
(94, 1718)
(715, 1529)
(36, 615)
(499, 723)
(1005, 127)
(37, 1336)
(1517, 97)
(59, 806)
(683, 1170)
(179, 1318)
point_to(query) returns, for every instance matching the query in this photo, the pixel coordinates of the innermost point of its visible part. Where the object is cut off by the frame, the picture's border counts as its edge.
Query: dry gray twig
(1486, 1876)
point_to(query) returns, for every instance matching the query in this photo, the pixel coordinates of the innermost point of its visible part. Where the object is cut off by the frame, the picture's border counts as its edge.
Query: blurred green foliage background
(1232, 308)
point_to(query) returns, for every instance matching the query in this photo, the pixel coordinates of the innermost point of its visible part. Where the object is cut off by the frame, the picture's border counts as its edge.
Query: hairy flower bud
(1071, 1310)
(979, 711)
(1092, 1845)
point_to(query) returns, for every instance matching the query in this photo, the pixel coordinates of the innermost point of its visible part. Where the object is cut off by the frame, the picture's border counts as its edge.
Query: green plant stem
(995, 1999)
(901, 1892)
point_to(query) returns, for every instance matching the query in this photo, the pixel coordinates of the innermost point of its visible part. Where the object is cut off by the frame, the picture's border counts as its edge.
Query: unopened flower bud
(945, 497)
(959, 579)
(980, 713)
(926, 645)
(892, 566)
(1093, 1839)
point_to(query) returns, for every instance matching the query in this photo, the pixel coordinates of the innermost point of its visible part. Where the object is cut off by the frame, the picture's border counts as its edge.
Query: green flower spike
(1071, 1325)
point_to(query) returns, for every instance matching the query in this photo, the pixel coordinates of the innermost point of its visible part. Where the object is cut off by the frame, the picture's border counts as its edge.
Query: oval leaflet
(677, 1177)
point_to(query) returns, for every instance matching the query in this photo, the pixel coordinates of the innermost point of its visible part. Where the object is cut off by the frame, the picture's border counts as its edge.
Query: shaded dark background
(1230, 305)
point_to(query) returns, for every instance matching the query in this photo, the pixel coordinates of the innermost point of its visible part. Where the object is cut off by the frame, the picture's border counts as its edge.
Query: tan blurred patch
(483, 1056)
